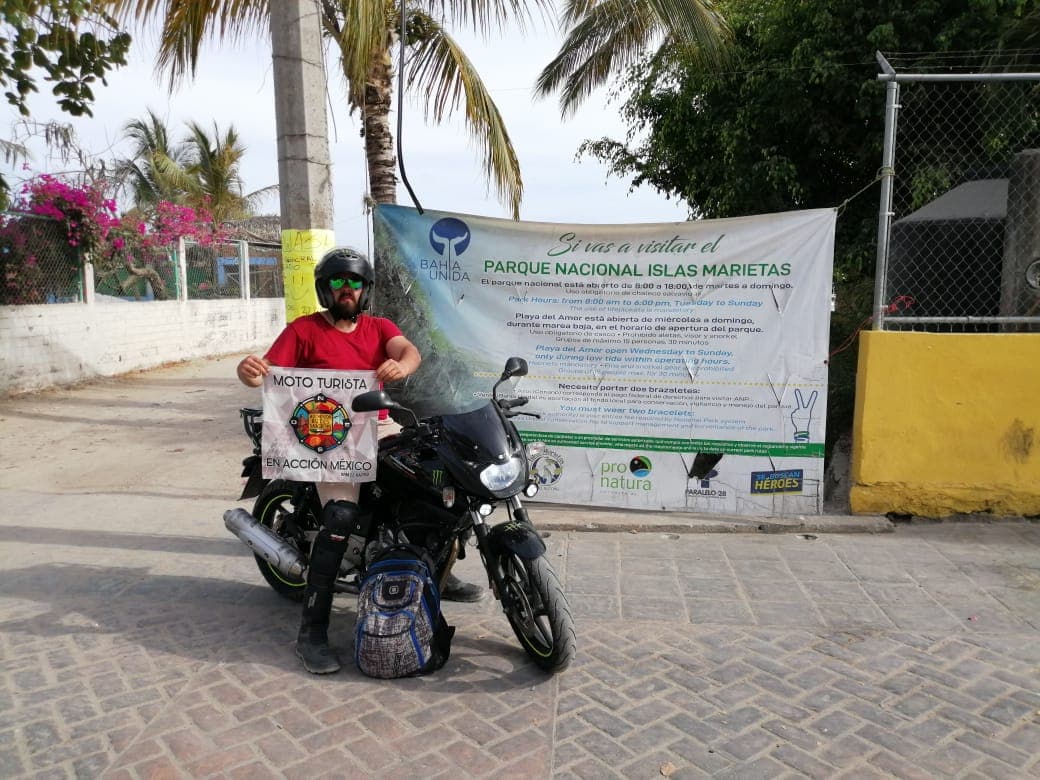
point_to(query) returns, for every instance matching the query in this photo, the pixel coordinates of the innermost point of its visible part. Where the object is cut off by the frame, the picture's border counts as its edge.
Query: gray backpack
(400, 631)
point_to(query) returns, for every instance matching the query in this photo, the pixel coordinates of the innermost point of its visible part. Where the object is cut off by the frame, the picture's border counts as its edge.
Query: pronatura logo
(320, 423)
(640, 466)
(615, 476)
(450, 237)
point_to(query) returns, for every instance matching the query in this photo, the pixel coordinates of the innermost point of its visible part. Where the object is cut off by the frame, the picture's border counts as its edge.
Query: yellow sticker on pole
(301, 251)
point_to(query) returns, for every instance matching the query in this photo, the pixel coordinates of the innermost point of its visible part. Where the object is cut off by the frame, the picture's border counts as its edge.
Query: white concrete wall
(57, 344)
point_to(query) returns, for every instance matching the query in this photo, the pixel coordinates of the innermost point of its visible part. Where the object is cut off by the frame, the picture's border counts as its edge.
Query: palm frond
(186, 23)
(611, 36)
(12, 151)
(695, 23)
(487, 16)
(604, 38)
(360, 29)
(176, 174)
(574, 11)
(254, 200)
(448, 79)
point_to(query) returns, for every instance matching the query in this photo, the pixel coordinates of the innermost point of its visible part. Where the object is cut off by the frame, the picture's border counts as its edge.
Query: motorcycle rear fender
(254, 480)
(518, 538)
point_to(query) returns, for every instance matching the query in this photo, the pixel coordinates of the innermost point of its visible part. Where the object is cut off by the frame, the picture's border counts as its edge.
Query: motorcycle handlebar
(505, 404)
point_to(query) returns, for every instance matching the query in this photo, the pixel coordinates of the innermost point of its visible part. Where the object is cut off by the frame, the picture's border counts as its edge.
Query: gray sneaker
(456, 590)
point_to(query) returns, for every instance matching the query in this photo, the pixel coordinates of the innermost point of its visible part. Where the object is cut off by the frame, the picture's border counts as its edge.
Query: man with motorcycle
(341, 337)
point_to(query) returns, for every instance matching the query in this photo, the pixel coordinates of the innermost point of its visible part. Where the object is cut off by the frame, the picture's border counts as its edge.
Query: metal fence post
(182, 271)
(243, 270)
(888, 161)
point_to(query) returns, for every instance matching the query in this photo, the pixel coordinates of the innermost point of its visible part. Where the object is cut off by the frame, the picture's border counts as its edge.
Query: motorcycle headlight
(500, 476)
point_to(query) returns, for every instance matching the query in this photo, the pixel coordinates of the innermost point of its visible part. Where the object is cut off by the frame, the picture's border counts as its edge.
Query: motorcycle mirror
(515, 366)
(373, 401)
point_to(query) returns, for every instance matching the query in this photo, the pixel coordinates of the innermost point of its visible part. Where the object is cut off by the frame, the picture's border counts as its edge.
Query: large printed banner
(310, 432)
(675, 366)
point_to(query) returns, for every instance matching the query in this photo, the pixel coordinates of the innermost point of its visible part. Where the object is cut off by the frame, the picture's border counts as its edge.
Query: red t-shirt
(311, 342)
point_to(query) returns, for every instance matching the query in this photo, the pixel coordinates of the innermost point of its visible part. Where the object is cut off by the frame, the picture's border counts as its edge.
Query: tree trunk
(157, 282)
(379, 139)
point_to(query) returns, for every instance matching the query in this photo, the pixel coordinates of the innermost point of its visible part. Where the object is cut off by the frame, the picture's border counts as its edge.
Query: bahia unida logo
(634, 475)
(547, 468)
(320, 423)
(449, 238)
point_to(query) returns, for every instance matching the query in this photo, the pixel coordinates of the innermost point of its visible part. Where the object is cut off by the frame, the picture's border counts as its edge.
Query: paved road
(137, 639)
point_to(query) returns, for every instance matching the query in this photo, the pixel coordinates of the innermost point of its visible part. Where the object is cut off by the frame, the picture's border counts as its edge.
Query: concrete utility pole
(304, 167)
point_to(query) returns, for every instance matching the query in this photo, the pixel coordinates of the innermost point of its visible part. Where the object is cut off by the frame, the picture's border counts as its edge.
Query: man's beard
(345, 310)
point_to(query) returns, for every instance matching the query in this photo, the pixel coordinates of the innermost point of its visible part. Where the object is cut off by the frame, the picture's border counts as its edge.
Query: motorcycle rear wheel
(541, 617)
(272, 508)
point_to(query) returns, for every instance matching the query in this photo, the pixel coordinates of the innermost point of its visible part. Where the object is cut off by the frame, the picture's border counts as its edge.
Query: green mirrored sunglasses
(338, 282)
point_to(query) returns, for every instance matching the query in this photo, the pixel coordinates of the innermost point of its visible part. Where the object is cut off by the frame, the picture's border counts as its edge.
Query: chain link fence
(959, 235)
(145, 274)
(39, 265)
(216, 271)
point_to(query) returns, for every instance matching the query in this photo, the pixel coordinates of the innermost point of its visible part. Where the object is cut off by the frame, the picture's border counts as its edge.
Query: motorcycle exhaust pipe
(265, 543)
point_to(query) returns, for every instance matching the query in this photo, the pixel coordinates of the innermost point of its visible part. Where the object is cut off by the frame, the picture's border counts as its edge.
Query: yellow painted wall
(947, 424)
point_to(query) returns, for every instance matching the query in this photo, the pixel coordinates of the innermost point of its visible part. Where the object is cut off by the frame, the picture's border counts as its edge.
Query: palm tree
(151, 171)
(213, 170)
(605, 37)
(366, 33)
(198, 171)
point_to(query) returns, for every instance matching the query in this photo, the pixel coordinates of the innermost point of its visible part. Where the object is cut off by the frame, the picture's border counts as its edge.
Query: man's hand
(252, 370)
(402, 359)
(390, 371)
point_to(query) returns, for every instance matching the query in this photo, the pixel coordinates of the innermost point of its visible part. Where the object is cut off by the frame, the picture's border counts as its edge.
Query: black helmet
(337, 262)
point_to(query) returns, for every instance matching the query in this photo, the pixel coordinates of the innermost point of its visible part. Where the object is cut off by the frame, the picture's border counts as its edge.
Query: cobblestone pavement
(138, 640)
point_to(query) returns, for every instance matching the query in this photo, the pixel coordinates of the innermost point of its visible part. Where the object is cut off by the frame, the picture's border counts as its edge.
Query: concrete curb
(613, 521)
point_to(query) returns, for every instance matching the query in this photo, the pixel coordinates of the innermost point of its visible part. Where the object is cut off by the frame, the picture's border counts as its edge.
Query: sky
(234, 86)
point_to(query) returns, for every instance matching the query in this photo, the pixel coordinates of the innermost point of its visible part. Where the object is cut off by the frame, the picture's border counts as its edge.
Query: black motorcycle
(438, 483)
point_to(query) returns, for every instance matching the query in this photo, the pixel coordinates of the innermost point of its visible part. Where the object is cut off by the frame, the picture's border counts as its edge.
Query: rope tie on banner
(882, 173)
(900, 303)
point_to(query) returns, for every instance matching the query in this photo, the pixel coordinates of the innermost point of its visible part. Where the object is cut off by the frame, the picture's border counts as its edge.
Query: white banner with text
(676, 366)
(310, 433)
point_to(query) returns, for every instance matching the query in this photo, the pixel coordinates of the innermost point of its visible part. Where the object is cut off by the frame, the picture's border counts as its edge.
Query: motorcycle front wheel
(539, 613)
(273, 507)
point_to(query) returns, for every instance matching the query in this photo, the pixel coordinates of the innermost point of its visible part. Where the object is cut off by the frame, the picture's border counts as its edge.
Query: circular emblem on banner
(320, 423)
(640, 466)
(1033, 274)
(547, 469)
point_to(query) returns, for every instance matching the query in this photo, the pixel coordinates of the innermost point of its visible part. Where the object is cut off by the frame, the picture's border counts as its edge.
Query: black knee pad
(326, 554)
(340, 517)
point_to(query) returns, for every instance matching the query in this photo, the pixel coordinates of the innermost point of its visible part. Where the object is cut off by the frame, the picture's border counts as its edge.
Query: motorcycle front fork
(492, 564)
